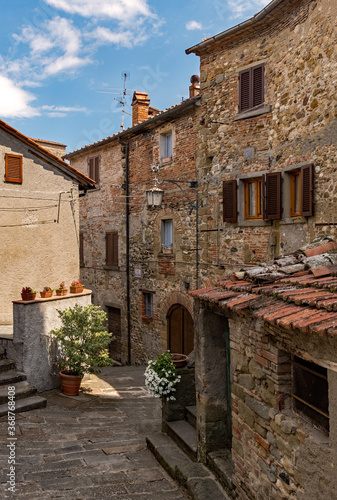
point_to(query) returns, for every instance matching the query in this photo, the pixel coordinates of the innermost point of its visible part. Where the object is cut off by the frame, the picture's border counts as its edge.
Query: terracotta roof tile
(320, 271)
(306, 298)
(202, 291)
(272, 305)
(328, 304)
(287, 322)
(327, 247)
(313, 317)
(323, 327)
(241, 302)
(217, 295)
(282, 312)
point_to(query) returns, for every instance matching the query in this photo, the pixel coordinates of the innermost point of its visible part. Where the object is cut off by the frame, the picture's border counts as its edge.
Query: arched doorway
(180, 330)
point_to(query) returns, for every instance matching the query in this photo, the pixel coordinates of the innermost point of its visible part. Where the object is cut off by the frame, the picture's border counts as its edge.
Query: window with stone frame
(253, 198)
(310, 392)
(147, 306)
(94, 168)
(167, 234)
(251, 88)
(166, 147)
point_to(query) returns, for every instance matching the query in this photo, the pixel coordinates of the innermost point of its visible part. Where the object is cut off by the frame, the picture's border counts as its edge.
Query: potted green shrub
(27, 293)
(61, 289)
(83, 339)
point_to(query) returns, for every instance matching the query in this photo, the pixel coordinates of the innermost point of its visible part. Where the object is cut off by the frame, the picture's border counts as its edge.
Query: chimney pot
(195, 87)
(140, 107)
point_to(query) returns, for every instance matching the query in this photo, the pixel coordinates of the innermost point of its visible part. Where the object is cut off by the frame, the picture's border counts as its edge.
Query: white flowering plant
(161, 377)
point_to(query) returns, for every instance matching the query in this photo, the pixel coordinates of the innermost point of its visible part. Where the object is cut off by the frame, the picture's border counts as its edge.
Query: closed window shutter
(307, 190)
(258, 85)
(81, 249)
(111, 249)
(96, 178)
(272, 196)
(244, 90)
(13, 168)
(229, 201)
(91, 168)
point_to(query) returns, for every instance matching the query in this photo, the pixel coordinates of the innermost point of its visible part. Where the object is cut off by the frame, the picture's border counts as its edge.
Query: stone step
(185, 436)
(25, 404)
(191, 415)
(195, 477)
(6, 364)
(220, 463)
(22, 390)
(11, 376)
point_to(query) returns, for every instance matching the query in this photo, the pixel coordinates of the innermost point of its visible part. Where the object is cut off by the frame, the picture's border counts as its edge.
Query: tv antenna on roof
(122, 100)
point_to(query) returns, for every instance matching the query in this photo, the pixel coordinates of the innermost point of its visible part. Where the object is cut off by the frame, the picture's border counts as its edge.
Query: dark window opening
(310, 392)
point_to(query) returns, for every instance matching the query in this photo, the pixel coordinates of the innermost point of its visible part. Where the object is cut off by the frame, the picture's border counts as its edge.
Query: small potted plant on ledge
(46, 292)
(83, 339)
(76, 286)
(161, 377)
(61, 290)
(27, 293)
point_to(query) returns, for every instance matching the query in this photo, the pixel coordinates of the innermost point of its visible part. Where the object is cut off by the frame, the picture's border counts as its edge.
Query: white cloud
(64, 109)
(239, 8)
(193, 25)
(125, 38)
(14, 101)
(123, 11)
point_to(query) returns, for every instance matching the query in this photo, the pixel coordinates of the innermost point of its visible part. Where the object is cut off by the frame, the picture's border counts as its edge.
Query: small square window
(167, 234)
(253, 198)
(166, 147)
(310, 392)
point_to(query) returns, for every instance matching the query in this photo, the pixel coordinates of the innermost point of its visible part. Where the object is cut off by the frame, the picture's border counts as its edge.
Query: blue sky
(59, 59)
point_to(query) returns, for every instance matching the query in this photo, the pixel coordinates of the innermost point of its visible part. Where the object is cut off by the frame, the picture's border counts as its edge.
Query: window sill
(112, 268)
(164, 254)
(95, 189)
(293, 220)
(166, 161)
(252, 112)
(147, 319)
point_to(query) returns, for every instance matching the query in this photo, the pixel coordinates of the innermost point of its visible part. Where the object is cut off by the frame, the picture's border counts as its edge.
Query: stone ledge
(53, 297)
(195, 477)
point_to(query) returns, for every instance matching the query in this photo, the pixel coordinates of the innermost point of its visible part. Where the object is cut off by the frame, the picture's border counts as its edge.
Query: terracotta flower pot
(76, 289)
(60, 292)
(70, 384)
(179, 360)
(28, 296)
(46, 295)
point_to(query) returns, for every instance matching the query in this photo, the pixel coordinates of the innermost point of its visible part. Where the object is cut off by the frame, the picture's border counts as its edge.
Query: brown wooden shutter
(229, 201)
(91, 169)
(111, 249)
(272, 192)
(258, 85)
(307, 190)
(244, 90)
(13, 168)
(96, 171)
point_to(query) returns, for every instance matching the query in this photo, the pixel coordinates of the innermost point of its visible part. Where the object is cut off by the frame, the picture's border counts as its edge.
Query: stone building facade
(154, 259)
(39, 219)
(266, 143)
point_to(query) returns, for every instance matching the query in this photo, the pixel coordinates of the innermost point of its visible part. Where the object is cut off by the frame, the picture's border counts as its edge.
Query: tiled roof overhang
(300, 301)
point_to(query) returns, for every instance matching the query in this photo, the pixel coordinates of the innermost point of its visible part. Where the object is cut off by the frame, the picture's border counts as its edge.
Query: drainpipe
(127, 235)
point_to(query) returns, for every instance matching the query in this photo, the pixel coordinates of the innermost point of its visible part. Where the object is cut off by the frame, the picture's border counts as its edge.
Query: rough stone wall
(298, 48)
(168, 274)
(103, 210)
(276, 453)
(39, 227)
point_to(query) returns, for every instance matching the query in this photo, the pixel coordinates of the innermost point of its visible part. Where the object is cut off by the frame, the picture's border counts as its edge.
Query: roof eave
(235, 29)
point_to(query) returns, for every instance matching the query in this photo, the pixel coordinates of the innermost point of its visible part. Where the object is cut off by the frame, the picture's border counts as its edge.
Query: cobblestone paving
(90, 446)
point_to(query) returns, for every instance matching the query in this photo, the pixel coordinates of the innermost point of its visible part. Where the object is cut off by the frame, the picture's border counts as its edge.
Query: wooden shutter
(244, 90)
(13, 168)
(258, 85)
(272, 192)
(91, 168)
(307, 190)
(229, 201)
(111, 240)
(96, 171)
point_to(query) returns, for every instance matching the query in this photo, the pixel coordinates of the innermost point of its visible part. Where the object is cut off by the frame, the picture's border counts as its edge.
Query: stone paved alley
(90, 446)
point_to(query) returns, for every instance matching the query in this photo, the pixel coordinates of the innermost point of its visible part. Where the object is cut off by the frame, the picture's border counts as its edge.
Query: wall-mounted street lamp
(155, 195)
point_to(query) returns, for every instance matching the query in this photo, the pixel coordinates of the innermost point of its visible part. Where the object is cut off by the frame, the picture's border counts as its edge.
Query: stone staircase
(25, 395)
(177, 452)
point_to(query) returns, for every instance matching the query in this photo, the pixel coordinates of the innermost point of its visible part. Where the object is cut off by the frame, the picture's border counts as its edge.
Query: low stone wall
(185, 396)
(32, 347)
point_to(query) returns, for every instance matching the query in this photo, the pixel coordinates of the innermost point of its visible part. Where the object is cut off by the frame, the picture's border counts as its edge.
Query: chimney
(140, 107)
(195, 87)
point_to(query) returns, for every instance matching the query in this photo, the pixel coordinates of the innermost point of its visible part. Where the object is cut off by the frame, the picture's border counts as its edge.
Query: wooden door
(114, 325)
(180, 330)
